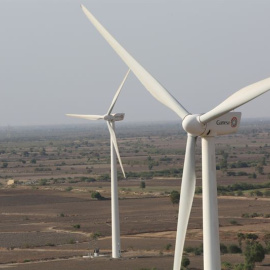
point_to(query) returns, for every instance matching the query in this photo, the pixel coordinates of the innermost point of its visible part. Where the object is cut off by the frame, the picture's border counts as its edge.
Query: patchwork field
(48, 218)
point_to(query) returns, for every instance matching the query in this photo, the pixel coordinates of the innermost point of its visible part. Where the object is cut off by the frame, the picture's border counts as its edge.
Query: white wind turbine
(111, 118)
(218, 121)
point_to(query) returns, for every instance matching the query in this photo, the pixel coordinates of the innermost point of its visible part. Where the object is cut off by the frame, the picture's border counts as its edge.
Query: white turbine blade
(85, 116)
(149, 82)
(117, 93)
(237, 99)
(186, 199)
(113, 137)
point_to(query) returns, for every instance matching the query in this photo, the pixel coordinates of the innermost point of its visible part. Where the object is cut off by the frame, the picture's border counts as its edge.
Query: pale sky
(53, 61)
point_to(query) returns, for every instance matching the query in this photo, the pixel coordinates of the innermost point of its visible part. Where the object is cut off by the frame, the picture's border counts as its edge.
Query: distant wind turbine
(111, 118)
(218, 121)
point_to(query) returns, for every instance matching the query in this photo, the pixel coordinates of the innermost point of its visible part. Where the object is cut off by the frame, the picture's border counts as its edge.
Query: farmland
(49, 218)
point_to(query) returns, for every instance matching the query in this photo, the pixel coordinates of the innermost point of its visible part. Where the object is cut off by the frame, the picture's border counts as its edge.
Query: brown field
(55, 172)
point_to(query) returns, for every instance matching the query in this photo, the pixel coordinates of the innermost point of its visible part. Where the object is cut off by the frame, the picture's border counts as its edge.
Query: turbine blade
(149, 82)
(113, 137)
(117, 93)
(186, 199)
(237, 99)
(85, 116)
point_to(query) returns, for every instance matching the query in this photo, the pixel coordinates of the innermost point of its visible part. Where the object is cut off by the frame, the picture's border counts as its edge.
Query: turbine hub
(192, 125)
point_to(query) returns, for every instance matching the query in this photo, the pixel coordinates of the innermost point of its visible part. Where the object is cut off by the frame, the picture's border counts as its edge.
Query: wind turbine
(111, 119)
(216, 122)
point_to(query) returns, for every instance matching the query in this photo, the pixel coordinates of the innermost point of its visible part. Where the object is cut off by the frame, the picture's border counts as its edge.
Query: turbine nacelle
(114, 117)
(223, 125)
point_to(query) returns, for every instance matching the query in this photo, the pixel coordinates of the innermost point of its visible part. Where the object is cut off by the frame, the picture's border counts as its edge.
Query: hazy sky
(53, 61)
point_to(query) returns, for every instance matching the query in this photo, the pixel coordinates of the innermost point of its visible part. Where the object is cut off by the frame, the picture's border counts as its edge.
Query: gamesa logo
(234, 122)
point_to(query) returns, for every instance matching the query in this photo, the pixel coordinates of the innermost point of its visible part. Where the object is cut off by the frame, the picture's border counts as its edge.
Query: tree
(142, 185)
(254, 253)
(175, 197)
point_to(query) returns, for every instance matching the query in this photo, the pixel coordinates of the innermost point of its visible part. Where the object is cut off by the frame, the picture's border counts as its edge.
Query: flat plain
(49, 219)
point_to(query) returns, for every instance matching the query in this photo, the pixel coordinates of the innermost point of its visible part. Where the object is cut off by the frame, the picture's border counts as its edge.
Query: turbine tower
(216, 122)
(111, 119)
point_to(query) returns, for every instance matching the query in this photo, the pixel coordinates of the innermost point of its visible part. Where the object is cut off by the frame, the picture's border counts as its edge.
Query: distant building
(10, 182)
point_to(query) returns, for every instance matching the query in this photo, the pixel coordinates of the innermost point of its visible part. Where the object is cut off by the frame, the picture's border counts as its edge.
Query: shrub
(168, 246)
(195, 250)
(189, 249)
(234, 249)
(253, 215)
(223, 248)
(185, 262)
(198, 250)
(233, 222)
(258, 193)
(50, 245)
(71, 241)
(33, 161)
(239, 193)
(104, 177)
(267, 248)
(69, 188)
(4, 165)
(43, 182)
(175, 197)
(251, 236)
(240, 237)
(240, 266)
(87, 179)
(95, 235)
(226, 266)
(96, 195)
(142, 185)
(266, 193)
